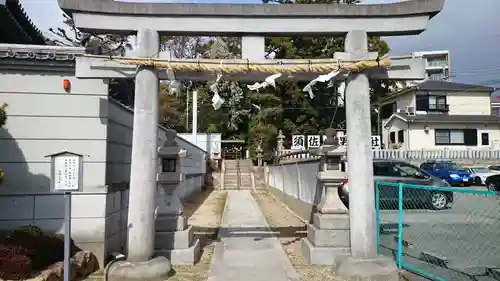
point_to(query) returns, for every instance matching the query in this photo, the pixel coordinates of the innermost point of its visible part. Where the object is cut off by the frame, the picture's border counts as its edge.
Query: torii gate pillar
(364, 262)
(141, 221)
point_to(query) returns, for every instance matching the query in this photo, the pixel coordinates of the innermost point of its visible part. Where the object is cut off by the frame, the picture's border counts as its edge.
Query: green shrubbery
(28, 248)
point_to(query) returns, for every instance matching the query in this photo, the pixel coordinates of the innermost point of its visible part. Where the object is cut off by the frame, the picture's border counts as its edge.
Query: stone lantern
(328, 236)
(170, 176)
(260, 156)
(174, 238)
(280, 142)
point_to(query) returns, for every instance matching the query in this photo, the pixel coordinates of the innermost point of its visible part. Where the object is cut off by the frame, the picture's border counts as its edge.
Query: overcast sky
(470, 30)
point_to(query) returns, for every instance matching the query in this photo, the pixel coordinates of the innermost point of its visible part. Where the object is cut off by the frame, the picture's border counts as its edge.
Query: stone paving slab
(246, 251)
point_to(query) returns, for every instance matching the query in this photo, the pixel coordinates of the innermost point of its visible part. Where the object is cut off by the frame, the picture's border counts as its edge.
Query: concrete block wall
(296, 184)
(116, 220)
(44, 119)
(120, 141)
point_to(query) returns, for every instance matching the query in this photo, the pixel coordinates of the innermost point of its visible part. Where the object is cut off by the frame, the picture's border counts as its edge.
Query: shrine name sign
(314, 141)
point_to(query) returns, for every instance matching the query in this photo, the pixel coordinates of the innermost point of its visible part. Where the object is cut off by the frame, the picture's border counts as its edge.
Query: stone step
(236, 188)
(235, 178)
(236, 181)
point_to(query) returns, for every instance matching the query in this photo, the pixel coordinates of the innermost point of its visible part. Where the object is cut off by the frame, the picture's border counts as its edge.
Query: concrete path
(247, 251)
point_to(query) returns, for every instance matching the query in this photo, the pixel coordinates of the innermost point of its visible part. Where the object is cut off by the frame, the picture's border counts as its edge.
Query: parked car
(493, 183)
(448, 171)
(494, 168)
(396, 171)
(480, 173)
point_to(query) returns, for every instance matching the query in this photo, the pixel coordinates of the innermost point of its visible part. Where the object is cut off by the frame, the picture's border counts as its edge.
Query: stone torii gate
(253, 23)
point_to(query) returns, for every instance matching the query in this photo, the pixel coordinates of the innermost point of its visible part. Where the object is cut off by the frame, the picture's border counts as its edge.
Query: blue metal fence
(458, 242)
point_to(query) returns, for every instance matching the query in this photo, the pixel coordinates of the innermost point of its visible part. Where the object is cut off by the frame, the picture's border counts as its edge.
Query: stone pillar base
(327, 239)
(377, 269)
(174, 240)
(156, 269)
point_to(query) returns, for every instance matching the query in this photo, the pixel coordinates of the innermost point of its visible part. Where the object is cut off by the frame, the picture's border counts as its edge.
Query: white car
(480, 173)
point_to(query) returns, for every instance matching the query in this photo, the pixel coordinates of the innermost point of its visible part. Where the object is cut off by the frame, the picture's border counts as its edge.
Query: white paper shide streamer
(174, 86)
(322, 79)
(256, 106)
(217, 101)
(269, 81)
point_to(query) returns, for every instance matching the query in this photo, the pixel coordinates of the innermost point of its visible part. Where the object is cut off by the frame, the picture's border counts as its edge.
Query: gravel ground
(290, 230)
(205, 212)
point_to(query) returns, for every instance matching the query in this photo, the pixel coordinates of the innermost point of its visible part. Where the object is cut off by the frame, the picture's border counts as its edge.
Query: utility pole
(187, 110)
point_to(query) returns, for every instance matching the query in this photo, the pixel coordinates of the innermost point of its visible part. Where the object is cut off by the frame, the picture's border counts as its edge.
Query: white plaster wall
(298, 180)
(210, 142)
(116, 220)
(469, 103)
(44, 119)
(403, 102)
(462, 103)
(191, 184)
(120, 141)
(395, 126)
(419, 139)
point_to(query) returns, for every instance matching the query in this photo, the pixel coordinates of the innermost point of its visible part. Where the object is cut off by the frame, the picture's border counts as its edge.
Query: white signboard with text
(314, 141)
(67, 173)
(298, 142)
(376, 144)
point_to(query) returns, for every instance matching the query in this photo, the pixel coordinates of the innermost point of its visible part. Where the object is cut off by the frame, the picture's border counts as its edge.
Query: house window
(394, 107)
(392, 137)
(495, 111)
(387, 110)
(436, 76)
(485, 139)
(401, 136)
(431, 103)
(456, 137)
(437, 102)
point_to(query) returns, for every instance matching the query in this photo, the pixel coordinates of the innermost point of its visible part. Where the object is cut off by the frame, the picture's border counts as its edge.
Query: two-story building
(439, 114)
(437, 64)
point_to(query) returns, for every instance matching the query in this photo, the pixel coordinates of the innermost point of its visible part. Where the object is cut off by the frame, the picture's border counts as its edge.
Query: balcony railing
(437, 63)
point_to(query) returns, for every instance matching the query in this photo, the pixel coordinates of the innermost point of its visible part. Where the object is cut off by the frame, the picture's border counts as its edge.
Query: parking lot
(459, 243)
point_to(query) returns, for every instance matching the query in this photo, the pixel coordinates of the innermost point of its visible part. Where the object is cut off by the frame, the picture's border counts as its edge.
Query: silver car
(396, 171)
(480, 173)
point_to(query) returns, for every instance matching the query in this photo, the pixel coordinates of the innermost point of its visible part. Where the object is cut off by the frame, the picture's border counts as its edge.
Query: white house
(439, 114)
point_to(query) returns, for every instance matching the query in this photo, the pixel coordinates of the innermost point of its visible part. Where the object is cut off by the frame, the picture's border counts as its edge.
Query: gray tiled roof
(16, 25)
(437, 85)
(445, 118)
(9, 52)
